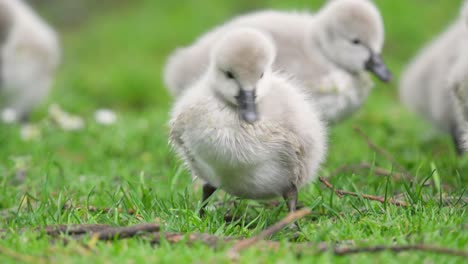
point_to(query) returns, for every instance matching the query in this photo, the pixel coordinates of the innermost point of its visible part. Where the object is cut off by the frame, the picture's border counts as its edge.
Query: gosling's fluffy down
(465, 12)
(427, 84)
(29, 55)
(6, 20)
(280, 151)
(312, 49)
(459, 86)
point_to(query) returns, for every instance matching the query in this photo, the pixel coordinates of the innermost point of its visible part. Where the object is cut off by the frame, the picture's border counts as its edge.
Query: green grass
(115, 59)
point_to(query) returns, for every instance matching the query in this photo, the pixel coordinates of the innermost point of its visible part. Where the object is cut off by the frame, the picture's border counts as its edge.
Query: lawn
(126, 174)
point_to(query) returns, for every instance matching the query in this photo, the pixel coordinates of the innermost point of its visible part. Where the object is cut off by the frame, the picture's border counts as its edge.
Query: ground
(114, 59)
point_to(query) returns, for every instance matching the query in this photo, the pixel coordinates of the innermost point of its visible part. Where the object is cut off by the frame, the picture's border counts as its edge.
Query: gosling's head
(239, 62)
(351, 34)
(6, 21)
(464, 12)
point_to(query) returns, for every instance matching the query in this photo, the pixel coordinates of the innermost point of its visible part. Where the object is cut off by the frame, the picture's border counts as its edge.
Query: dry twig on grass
(126, 232)
(56, 230)
(362, 166)
(289, 219)
(106, 232)
(380, 199)
(94, 209)
(318, 248)
(102, 232)
(382, 152)
(73, 230)
(206, 239)
(397, 249)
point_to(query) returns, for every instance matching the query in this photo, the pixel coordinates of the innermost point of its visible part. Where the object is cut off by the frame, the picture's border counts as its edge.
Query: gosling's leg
(208, 190)
(25, 118)
(291, 198)
(291, 201)
(457, 140)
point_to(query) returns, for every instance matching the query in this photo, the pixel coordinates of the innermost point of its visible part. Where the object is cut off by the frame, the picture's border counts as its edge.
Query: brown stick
(381, 151)
(342, 193)
(397, 249)
(207, 239)
(245, 243)
(96, 209)
(377, 171)
(215, 241)
(108, 233)
(103, 232)
(126, 232)
(73, 230)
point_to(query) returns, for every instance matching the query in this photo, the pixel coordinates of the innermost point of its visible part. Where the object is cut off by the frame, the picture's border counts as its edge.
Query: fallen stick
(380, 199)
(126, 232)
(215, 242)
(206, 239)
(56, 230)
(106, 232)
(376, 170)
(72, 230)
(382, 152)
(96, 209)
(400, 248)
(102, 232)
(245, 243)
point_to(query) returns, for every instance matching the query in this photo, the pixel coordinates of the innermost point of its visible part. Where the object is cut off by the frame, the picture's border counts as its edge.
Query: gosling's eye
(356, 41)
(229, 75)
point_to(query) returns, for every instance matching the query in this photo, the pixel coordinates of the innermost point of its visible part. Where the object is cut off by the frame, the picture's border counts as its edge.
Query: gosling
(459, 91)
(244, 129)
(426, 87)
(29, 56)
(327, 53)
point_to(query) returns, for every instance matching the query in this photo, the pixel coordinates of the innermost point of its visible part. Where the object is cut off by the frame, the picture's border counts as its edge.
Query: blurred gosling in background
(459, 86)
(426, 87)
(327, 53)
(29, 56)
(244, 129)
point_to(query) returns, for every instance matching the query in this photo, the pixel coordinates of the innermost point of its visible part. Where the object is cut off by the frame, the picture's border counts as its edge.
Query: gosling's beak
(247, 106)
(376, 65)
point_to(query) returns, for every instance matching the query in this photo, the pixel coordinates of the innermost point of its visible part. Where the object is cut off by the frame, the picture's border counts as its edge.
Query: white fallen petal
(105, 117)
(72, 124)
(9, 116)
(65, 120)
(82, 178)
(30, 132)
